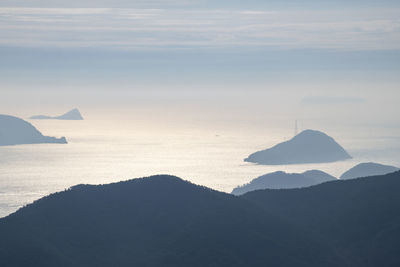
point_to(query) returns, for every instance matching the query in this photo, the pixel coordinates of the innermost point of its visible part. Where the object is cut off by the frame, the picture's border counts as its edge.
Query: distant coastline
(16, 131)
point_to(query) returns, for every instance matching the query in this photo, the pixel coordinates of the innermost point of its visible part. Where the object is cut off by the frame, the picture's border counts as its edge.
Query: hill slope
(156, 221)
(359, 217)
(165, 221)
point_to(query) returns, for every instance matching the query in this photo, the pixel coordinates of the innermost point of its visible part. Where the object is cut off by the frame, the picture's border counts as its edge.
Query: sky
(330, 56)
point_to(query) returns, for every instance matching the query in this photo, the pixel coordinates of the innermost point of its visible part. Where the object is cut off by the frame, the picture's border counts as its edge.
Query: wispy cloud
(366, 29)
(332, 100)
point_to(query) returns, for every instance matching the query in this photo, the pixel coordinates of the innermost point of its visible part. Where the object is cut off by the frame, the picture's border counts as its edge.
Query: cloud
(130, 28)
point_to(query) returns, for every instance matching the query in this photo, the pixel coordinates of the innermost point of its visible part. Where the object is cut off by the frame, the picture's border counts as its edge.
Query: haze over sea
(205, 146)
(191, 88)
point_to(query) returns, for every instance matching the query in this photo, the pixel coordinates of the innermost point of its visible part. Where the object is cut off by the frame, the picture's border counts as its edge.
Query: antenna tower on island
(296, 130)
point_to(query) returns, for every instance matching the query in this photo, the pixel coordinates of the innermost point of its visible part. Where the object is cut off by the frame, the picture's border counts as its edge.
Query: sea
(106, 148)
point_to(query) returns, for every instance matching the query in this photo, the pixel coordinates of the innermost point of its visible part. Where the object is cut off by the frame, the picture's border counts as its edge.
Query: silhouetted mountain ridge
(156, 221)
(359, 217)
(165, 221)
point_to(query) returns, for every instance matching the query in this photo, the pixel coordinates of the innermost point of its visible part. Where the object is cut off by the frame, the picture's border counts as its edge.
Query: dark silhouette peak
(163, 178)
(155, 181)
(73, 114)
(159, 189)
(368, 169)
(309, 146)
(15, 131)
(283, 180)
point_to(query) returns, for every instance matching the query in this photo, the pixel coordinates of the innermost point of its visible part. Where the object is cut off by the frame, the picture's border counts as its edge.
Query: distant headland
(368, 169)
(16, 131)
(70, 115)
(283, 180)
(308, 146)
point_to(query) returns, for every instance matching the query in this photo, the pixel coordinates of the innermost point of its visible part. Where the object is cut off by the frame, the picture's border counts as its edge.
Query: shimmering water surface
(103, 150)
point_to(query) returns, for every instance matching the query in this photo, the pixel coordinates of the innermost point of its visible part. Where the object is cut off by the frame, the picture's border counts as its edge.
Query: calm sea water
(109, 150)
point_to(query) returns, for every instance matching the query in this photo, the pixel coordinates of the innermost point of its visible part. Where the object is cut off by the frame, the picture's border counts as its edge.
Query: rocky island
(70, 115)
(308, 146)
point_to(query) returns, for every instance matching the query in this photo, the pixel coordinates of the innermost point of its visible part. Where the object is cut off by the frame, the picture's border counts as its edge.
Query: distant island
(308, 146)
(283, 180)
(70, 115)
(15, 131)
(368, 169)
(165, 221)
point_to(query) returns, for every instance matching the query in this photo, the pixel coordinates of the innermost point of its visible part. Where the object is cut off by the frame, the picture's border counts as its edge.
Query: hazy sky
(311, 52)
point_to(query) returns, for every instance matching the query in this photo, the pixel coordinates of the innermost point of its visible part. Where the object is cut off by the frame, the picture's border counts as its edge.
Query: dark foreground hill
(73, 114)
(368, 169)
(359, 217)
(308, 146)
(165, 221)
(15, 131)
(156, 221)
(283, 180)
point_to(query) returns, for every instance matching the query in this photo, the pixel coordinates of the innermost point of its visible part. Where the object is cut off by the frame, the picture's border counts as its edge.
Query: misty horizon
(199, 133)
